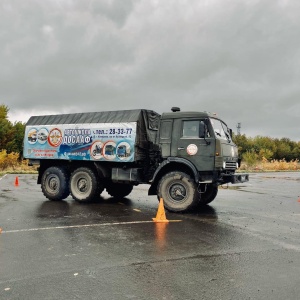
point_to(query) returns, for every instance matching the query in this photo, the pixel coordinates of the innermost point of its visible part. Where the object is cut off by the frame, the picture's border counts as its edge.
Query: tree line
(11, 134)
(256, 148)
(260, 147)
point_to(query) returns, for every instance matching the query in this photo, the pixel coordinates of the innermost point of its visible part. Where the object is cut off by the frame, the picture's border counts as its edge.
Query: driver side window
(194, 129)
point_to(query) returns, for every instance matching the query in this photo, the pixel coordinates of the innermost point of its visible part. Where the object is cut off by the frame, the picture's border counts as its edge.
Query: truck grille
(230, 165)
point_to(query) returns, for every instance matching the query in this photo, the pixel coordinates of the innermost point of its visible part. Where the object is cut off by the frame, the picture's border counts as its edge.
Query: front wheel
(55, 183)
(84, 185)
(178, 191)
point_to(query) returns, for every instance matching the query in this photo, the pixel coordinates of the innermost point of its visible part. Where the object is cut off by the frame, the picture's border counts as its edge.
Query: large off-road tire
(118, 190)
(179, 191)
(209, 195)
(84, 185)
(55, 183)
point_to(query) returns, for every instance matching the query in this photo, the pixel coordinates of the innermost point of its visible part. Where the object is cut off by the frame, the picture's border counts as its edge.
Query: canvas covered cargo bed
(101, 136)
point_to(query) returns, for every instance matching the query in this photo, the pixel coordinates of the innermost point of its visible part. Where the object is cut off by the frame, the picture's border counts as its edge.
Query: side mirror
(202, 130)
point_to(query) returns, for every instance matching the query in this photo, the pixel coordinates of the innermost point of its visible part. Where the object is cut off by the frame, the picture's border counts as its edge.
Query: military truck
(183, 156)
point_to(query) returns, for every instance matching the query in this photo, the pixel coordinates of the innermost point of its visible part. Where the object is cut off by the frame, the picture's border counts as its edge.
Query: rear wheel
(178, 191)
(84, 185)
(55, 183)
(118, 190)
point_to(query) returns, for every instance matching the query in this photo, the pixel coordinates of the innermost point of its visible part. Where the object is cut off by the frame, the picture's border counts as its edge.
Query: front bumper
(234, 178)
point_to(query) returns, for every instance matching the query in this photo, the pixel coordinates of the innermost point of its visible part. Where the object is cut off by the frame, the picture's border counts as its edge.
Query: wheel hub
(53, 183)
(177, 192)
(82, 185)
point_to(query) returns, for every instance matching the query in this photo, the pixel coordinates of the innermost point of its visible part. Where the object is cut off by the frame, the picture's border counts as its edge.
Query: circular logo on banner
(109, 151)
(55, 137)
(191, 149)
(32, 136)
(42, 136)
(123, 151)
(96, 150)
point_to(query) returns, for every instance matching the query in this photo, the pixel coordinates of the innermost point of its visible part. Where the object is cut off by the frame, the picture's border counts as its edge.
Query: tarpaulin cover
(110, 135)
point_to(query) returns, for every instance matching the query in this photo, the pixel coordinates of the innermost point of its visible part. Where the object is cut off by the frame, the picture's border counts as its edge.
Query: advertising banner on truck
(99, 142)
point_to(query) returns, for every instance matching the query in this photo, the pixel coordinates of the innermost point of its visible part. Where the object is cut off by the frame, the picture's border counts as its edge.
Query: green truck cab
(199, 154)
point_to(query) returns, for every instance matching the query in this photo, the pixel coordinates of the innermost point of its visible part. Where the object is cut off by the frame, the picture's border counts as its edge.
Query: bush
(10, 160)
(249, 158)
(265, 154)
(273, 165)
(280, 165)
(11, 163)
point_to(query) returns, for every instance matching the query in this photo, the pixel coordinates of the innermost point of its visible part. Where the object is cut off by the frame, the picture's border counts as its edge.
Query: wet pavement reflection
(111, 249)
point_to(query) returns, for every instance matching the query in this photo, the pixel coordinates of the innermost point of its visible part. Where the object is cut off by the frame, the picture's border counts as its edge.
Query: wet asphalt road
(246, 245)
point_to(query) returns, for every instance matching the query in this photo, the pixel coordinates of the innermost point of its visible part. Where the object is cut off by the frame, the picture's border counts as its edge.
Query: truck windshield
(220, 129)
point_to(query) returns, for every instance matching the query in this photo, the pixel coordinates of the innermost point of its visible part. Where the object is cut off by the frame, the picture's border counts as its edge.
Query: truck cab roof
(187, 114)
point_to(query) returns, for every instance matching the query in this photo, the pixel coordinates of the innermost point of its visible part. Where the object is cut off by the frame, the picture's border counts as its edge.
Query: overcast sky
(238, 58)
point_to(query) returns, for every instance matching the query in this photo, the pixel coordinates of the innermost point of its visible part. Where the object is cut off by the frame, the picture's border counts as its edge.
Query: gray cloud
(237, 58)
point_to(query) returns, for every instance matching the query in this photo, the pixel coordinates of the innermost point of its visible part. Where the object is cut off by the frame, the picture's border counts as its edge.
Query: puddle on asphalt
(281, 178)
(240, 188)
(234, 187)
(7, 197)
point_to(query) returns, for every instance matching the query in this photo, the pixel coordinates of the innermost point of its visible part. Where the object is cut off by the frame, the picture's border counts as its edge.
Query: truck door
(165, 137)
(193, 139)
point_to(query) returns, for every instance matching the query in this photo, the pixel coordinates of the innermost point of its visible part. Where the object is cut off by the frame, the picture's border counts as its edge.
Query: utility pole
(239, 126)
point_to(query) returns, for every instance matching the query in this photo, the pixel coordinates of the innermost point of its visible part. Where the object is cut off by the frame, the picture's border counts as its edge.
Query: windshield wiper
(227, 135)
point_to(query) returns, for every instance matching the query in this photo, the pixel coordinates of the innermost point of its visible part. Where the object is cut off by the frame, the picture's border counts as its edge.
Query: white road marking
(3, 176)
(75, 226)
(81, 226)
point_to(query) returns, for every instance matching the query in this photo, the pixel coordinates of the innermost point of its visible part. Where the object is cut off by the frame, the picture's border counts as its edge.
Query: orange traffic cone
(161, 215)
(0, 230)
(17, 181)
(299, 200)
